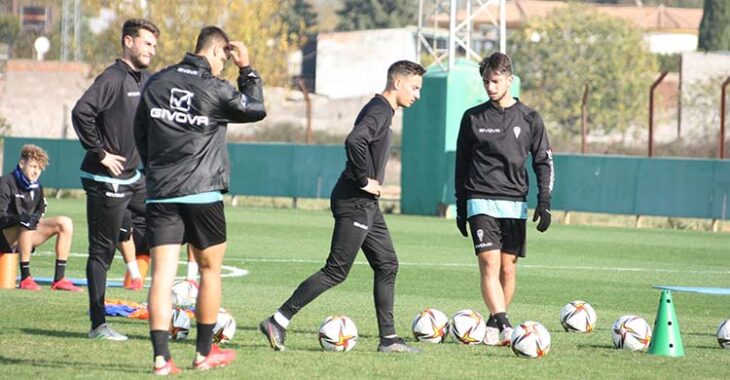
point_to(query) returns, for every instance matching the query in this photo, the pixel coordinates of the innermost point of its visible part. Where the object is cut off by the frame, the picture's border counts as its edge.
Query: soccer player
(180, 130)
(22, 206)
(359, 222)
(491, 187)
(103, 120)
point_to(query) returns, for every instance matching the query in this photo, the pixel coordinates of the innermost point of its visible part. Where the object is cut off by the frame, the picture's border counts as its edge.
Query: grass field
(43, 334)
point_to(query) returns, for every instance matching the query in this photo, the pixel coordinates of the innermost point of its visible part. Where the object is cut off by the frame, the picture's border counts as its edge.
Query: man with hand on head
(180, 130)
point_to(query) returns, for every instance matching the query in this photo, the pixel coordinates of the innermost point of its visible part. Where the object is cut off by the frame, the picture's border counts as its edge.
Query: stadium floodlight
(441, 43)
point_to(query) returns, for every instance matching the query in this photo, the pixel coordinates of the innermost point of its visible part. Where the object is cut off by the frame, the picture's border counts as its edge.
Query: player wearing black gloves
(22, 206)
(491, 187)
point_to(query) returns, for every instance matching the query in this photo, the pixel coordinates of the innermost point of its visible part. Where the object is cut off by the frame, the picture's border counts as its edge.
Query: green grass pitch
(43, 334)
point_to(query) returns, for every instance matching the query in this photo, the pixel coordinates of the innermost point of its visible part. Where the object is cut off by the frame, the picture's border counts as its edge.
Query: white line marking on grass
(465, 265)
(427, 264)
(226, 270)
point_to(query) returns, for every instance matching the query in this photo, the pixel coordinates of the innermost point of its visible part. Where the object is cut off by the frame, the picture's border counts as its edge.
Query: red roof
(647, 18)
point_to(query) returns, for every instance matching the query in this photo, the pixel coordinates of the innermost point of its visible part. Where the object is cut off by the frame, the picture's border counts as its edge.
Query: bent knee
(65, 224)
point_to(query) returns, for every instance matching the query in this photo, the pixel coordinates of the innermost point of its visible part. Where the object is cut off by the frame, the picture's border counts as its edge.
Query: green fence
(606, 184)
(286, 170)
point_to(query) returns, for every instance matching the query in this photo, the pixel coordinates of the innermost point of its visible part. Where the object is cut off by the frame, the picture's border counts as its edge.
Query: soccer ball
(225, 327)
(430, 326)
(184, 293)
(468, 327)
(578, 316)
(530, 340)
(337, 333)
(723, 334)
(631, 332)
(180, 324)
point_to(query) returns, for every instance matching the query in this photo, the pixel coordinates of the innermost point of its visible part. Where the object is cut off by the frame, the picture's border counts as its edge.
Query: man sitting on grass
(22, 206)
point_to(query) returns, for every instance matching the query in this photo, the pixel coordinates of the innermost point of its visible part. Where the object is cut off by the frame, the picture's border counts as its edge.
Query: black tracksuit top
(368, 143)
(104, 115)
(15, 201)
(492, 149)
(180, 126)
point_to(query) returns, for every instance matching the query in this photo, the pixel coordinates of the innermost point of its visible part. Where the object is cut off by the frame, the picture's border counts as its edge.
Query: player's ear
(128, 41)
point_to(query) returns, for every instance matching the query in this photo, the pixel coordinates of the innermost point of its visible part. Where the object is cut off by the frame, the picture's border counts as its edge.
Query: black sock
(24, 270)
(60, 270)
(388, 341)
(204, 338)
(159, 344)
(502, 321)
(491, 322)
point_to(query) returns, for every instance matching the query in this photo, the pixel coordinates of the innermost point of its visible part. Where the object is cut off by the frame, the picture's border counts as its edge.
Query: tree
(300, 19)
(557, 55)
(255, 22)
(9, 28)
(376, 14)
(715, 26)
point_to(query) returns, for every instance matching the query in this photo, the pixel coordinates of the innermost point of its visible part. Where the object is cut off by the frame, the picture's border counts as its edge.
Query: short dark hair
(498, 63)
(132, 26)
(404, 68)
(208, 35)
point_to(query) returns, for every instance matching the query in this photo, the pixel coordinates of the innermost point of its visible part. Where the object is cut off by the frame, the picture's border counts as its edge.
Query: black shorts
(507, 235)
(202, 225)
(5, 246)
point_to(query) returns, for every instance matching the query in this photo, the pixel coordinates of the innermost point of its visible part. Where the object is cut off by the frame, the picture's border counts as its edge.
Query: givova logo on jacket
(180, 103)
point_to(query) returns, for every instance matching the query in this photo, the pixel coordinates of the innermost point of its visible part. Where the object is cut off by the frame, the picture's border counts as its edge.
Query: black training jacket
(15, 201)
(104, 115)
(492, 149)
(180, 126)
(368, 143)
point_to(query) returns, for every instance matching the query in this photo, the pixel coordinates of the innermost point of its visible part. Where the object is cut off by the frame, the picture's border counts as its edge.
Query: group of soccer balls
(184, 295)
(529, 339)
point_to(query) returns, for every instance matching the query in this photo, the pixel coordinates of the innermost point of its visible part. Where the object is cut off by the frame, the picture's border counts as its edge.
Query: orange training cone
(8, 270)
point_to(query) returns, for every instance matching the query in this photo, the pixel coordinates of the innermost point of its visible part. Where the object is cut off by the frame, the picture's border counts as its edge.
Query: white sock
(281, 320)
(133, 269)
(192, 270)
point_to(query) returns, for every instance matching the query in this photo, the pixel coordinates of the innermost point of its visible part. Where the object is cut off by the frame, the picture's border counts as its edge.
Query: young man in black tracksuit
(22, 205)
(359, 222)
(491, 187)
(103, 120)
(180, 130)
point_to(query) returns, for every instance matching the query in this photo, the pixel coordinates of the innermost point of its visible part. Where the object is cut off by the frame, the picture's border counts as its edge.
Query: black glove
(542, 211)
(34, 219)
(461, 217)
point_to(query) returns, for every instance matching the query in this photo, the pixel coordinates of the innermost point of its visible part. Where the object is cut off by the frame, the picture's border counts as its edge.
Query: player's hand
(461, 225)
(373, 187)
(114, 163)
(239, 54)
(542, 211)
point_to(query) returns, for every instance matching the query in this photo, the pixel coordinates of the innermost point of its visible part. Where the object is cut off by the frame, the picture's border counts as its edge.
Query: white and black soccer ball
(631, 332)
(468, 327)
(225, 327)
(184, 293)
(430, 325)
(578, 316)
(723, 334)
(337, 333)
(530, 340)
(180, 323)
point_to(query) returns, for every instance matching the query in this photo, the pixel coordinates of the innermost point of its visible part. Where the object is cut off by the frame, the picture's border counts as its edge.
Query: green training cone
(666, 339)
